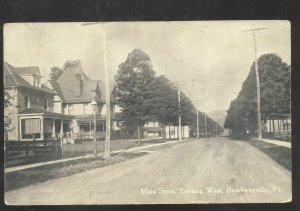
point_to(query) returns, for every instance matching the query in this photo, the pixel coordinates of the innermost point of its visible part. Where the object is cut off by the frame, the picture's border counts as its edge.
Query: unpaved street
(217, 170)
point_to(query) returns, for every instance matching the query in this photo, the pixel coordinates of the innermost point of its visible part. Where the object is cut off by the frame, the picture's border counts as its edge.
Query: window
(26, 102)
(86, 108)
(38, 83)
(36, 100)
(46, 106)
(70, 109)
(34, 80)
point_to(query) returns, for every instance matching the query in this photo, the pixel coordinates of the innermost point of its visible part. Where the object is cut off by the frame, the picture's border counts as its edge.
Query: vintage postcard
(147, 112)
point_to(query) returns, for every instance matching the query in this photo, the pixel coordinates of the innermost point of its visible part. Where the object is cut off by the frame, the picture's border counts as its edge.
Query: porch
(278, 126)
(85, 127)
(43, 125)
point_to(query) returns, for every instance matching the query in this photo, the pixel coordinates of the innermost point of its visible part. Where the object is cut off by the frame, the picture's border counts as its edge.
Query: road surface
(217, 170)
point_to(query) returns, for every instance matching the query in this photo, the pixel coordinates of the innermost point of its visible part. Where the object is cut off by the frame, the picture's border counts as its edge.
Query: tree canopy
(275, 81)
(145, 97)
(133, 91)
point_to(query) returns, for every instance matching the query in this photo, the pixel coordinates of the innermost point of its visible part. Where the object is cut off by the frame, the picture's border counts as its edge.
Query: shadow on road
(281, 155)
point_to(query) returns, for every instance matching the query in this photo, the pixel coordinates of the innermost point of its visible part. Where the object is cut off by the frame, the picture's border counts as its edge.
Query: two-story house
(74, 94)
(32, 105)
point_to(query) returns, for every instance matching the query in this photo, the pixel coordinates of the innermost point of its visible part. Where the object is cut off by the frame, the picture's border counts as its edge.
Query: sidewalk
(18, 168)
(276, 142)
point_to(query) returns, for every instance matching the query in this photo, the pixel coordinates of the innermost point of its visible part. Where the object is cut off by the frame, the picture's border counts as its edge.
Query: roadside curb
(276, 142)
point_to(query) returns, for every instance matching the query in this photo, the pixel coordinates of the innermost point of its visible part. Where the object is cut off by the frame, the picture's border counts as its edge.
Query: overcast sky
(212, 57)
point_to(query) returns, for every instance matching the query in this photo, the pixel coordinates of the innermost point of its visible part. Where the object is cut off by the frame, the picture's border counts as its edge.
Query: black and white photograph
(147, 112)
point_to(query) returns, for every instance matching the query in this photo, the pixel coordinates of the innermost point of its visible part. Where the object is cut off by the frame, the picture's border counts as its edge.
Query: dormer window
(36, 81)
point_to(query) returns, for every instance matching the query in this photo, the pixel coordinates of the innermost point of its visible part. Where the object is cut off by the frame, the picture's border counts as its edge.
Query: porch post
(61, 127)
(20, 127)
(91, 128)
(103, 128)
(42, 127)
(53, 128)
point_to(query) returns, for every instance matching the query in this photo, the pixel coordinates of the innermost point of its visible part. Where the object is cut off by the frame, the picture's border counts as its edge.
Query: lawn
(280, 154)
(18, 179)
(77, 149)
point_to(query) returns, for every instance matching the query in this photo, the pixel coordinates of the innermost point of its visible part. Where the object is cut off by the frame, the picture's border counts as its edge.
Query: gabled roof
(28, 70)
(64, 86)
(13, 79)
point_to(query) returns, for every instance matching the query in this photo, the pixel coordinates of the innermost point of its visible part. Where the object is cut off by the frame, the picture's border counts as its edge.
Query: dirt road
(217, 170)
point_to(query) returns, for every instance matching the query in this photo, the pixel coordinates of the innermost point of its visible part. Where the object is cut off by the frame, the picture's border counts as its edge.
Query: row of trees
(145, 97)
(275, 82)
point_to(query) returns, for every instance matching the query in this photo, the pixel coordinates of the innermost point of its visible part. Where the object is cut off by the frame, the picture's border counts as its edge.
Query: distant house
(155, 130)
(32, 111)
(278, 126)
(74, 92)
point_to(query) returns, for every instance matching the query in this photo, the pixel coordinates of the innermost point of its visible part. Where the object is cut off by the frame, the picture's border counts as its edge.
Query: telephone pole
(179, 116)
(259, 131)
(205, 126)
(107, 91)
(107, 98)
(197, 124)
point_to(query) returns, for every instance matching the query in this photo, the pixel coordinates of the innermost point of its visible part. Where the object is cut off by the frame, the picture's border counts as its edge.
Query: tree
(133, 90)
(275, 82)
(164, 102)
(7, 120)
(71, 63)
(7, 99)
(55, 72)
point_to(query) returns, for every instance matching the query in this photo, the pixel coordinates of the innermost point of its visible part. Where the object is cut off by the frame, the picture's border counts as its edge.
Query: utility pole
(259, 131)
(197, 124)
(107, 97)
(179, 116)
(205, 126)
(107, 91)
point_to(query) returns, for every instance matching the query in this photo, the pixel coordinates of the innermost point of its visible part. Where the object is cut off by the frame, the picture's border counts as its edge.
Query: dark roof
(12, 79)
(28, 70)
(64, 86)
(39, 111)
(57, 89)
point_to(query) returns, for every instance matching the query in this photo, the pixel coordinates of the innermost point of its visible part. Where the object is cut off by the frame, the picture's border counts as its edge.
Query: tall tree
(275, 81)
(164, 102)
(133, 90)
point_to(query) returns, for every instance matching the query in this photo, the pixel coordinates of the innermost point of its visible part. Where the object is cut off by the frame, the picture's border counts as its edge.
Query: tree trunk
(164, 132)
(139, 135)
(273, 124)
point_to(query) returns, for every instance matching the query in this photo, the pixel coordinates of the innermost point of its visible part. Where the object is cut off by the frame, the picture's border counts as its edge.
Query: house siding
(18, 106)
(33, 95)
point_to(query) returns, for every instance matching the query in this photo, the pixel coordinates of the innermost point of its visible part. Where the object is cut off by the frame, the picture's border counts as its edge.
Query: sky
(209, 60)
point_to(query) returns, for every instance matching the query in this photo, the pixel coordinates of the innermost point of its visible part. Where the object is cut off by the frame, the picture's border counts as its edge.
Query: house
(31, 112)
(155, 130)
(277, 126)
(74, 94)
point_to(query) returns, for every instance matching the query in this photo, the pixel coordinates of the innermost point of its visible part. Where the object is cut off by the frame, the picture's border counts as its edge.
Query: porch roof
(89, 117)
(46, 114)
(280, 116)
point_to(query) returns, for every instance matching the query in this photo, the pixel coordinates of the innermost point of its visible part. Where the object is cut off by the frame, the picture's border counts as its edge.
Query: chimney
(77, 87)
